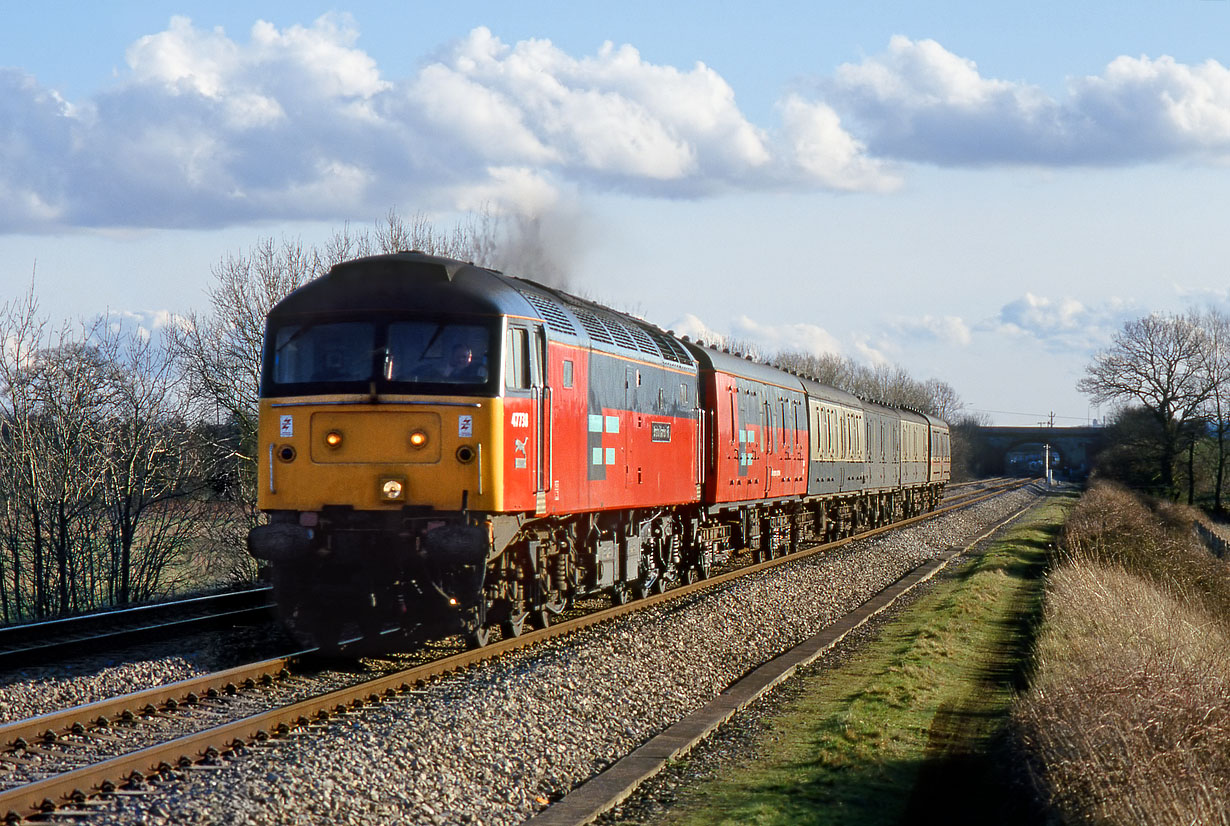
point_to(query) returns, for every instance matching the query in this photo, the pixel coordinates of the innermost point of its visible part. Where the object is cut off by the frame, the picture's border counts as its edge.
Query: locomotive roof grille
(592, 324)
(670, 348)
(551, 312)
(643, 342)
(622, 335)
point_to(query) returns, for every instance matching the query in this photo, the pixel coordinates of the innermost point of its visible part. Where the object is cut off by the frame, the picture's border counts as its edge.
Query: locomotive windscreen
(398, 356)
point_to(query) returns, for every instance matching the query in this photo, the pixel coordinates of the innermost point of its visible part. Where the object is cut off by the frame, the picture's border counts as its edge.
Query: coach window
(794, 424)
(567, 377)
(517, 367)
(765, 424)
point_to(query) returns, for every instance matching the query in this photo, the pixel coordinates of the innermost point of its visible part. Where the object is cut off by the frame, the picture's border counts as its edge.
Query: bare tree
(890, 384)
(942, 397)
(219, 355)
(1160, 363)
(475, 239)
(1216, 326)
(22, 330)
(151, 475)
(53, 391)
(88, 444)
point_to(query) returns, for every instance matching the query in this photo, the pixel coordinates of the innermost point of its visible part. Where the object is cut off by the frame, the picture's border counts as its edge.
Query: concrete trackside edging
(603, 792)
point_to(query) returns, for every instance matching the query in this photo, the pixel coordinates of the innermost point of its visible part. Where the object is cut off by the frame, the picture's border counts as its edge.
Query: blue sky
(980, 192)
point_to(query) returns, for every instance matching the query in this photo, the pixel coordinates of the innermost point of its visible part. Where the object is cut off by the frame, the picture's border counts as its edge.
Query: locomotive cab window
(323, 352)
(396, 355)
(517, 366)
(427, 351)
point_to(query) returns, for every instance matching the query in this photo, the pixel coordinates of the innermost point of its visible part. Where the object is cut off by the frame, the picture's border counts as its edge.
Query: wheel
(514, 625)
(620, 594)
(478, 637)
(540, 616)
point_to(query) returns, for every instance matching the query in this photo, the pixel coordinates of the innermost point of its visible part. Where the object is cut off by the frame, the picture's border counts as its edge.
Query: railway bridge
(1022, 448)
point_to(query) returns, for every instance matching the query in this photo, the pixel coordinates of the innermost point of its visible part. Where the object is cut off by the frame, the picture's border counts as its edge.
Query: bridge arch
(1017, 446)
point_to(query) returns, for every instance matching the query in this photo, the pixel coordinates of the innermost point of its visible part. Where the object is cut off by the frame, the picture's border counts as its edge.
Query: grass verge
(901, 732)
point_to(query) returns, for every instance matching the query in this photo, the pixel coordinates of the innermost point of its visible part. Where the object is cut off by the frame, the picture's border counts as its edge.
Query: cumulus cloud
(143, 325)
(1062, 324)
(694, 328)
(918, 101)
(765, 338)
(871, 353)
(944, 329)
(204, 129)
(802, 337)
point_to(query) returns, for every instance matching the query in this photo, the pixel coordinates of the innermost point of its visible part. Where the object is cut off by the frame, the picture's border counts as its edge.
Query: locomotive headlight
(418, 438)
(392, 490)
(333, 438)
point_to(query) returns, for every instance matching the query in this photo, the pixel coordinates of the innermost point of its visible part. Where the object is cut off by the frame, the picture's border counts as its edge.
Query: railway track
(66, 758)
(39, 642)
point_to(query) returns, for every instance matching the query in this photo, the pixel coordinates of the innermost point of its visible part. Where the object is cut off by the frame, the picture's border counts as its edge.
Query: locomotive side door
(541, 392)
(527, 401)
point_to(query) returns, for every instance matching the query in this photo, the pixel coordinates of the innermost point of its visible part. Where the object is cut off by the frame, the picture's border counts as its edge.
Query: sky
(979, 192)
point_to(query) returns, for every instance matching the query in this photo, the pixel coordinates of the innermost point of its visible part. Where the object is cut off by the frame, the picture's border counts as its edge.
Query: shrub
(1127, 719)
(1112, 526)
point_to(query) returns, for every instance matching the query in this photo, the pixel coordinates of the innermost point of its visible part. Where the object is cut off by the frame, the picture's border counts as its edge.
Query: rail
(40, 641)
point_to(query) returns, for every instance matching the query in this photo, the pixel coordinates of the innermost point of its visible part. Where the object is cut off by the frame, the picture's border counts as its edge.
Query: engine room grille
(671, 349)
(619, 332)
(593, 325)
(550, 312)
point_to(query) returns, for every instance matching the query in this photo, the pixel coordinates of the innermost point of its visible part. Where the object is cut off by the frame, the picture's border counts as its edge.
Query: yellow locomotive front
(379, 428)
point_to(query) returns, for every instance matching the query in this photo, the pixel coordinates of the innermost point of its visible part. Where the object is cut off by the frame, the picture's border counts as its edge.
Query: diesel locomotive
(448, 449)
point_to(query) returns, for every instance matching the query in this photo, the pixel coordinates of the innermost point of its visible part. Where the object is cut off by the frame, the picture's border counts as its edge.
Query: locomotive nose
(381, 437)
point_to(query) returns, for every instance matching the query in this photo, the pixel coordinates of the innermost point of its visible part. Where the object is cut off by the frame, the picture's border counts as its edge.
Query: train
(445, 449)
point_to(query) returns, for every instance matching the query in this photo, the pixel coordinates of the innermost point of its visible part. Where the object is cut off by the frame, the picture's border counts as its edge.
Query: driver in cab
(463, 366)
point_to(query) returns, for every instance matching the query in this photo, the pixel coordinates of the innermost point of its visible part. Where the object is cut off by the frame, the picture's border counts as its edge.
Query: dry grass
(1128, 716)
(1158, 541)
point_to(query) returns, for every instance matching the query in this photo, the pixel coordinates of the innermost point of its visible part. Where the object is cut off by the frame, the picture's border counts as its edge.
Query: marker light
(333, 439)
(391, 489)
(418, 438)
